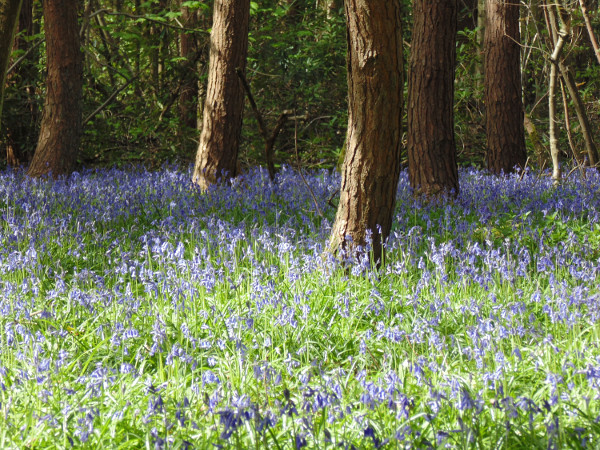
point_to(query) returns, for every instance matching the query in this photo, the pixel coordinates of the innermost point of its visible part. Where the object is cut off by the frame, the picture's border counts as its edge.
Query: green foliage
(297, 61)
(468, 98)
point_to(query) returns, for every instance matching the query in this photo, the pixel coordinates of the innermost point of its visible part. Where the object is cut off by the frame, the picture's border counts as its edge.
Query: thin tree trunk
(188, 95)
(222, 118)
(503, 94)
(330, 7)
(582, 116)
(481, 18)
(554, 152)
(535, 139)
(559, 41)
(562, 34)
(565, 103)
(106, 44)
(163, 49)
(9, 14)
(432, 164)
(372, 162)
(21, 128)
(590, 29)
(60, 132)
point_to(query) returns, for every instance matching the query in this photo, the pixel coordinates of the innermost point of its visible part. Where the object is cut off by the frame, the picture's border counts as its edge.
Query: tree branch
(149, 19)
(108, 100)
(24, 55)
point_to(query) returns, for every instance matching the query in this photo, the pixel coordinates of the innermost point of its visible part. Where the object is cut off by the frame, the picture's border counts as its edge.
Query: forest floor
(138, 312)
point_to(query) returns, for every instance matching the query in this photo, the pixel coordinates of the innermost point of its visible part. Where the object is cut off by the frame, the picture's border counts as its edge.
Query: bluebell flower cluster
(135, 308)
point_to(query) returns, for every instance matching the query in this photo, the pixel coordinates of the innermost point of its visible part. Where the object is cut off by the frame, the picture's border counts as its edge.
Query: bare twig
(24, 55)
(581, 168)
(261, 124)
(337, 191)
(108, 100)
(541, 172)
(269, 138)
(312, 194)
(257, 113)
(148, 19)
(107, 66)
(568, 122)
(524, 169)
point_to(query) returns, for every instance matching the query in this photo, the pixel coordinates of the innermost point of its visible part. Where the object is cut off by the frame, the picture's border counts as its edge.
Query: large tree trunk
(503, 95)
(432, 164)
(372, 162)
(9, 13)
(222, 118)
(60, 132)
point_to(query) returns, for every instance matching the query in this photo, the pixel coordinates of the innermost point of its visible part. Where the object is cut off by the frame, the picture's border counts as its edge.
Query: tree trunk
(556, 15)
(554, 151)
(558, 39)
(372, 162)
(481, 18)
(222, 118)
(503, 94)
(431, 146)
(590, 29)
(535, 139)
(584, 122)
(188, 95)
(60, 133)
(330, 7)
(9, 14)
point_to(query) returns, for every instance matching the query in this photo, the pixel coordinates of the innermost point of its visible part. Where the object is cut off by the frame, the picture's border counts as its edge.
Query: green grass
(153, 316)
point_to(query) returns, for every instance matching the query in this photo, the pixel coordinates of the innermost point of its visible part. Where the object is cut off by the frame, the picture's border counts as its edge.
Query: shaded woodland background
(145, 68)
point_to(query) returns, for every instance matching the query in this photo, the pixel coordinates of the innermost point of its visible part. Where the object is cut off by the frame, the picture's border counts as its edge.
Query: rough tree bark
(9, 14)
(60, 133)
(432, 164)
(372, 162)
(503, 93)
(222, 118)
